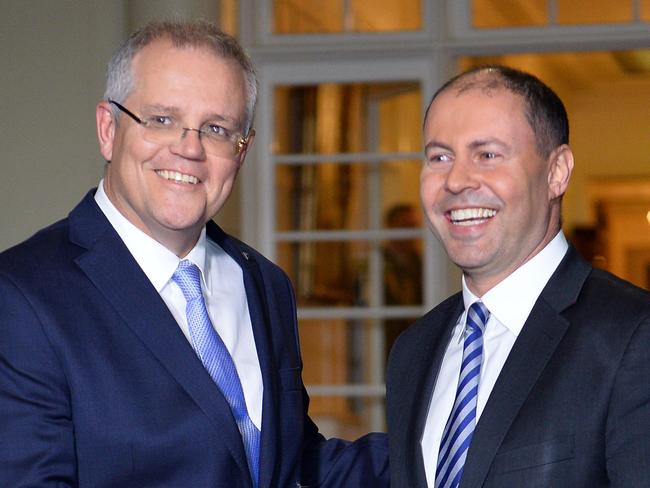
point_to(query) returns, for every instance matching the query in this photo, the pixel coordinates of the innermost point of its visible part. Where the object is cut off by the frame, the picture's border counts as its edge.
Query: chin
(468, 260)
(183, 222)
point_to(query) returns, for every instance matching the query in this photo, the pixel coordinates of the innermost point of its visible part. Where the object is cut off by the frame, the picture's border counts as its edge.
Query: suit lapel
(530, 354)
(112, 269)
(532, 350)
(426, 363)
(259, 314)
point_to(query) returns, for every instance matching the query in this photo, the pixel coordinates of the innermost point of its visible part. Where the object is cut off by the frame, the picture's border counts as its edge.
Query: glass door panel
(491, 14)
(348, 231)
(341, 16)
(645, 10)
(317, 194)
(593, 11)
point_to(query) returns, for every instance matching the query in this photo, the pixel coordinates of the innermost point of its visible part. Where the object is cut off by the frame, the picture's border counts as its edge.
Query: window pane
(347, 354)
(307, 16)
(337, 273)
(593, 11)
(350, 355)
(509, 13)
(344, 348)
(327, 273)
(399, 123)
(645, 10)
(526, 13)
(355, 117)
(348, 418)
(402, 261)
(386, 15)
(342, 196)
(228, 16)
(320, 17)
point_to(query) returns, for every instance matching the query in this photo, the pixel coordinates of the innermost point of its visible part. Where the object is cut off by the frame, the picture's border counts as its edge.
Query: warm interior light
(647, 216)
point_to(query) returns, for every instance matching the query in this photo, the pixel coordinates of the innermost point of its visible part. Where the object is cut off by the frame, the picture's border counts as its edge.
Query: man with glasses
(140, 345)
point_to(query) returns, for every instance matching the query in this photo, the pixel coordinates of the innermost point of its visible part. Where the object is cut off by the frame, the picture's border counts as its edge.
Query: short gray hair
(119, 76)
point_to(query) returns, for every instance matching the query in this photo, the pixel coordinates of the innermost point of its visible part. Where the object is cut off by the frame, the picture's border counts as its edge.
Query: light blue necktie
(217, 360)
(458, 432)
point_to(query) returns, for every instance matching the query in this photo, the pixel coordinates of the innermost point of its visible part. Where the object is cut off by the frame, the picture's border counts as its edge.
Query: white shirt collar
(157, 262)
(511, 300)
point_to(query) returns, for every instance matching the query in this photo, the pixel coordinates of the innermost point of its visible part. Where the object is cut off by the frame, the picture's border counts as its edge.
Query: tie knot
(188, 277)
(477, 317)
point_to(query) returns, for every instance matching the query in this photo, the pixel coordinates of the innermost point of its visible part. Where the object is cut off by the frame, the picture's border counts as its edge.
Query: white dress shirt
(222, 282)
(509, 303)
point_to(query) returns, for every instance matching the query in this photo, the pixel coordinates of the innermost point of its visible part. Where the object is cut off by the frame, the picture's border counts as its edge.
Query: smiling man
(536, 373)
(140, 345)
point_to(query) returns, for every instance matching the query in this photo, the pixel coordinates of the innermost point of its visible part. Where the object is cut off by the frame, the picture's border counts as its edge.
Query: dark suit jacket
(571, 407)
(99, 387)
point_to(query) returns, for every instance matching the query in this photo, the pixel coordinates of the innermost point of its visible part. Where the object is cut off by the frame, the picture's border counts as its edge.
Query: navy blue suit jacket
(571, 406)
(99, 387)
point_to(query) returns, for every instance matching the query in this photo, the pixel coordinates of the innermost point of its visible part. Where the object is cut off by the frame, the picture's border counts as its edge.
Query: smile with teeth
(471, 216)
(177, 177)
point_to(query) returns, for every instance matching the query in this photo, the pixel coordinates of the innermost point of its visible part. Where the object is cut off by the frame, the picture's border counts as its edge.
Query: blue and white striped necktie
(217, 360)
(458, 432)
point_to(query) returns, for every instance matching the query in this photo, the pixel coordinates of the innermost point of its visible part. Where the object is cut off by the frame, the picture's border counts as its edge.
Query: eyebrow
(436, 144)
(472, 145)
(157, 107)
(486, 142)
(223, 118)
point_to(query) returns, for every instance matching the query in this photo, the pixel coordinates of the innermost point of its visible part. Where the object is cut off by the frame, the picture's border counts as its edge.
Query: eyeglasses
(166, 130)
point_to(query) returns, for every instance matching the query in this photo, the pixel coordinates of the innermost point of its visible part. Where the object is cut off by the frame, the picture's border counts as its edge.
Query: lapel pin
(245, 254)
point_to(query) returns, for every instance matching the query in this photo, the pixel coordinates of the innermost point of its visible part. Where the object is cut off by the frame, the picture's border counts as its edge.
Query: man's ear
(105, 129)
(560, 169)
(242, 154)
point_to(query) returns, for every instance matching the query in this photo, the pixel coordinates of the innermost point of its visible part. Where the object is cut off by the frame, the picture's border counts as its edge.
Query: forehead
(477, 110)
(188, 78)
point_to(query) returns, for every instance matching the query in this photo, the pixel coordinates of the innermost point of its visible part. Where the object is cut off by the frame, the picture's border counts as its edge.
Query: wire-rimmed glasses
(166, 130)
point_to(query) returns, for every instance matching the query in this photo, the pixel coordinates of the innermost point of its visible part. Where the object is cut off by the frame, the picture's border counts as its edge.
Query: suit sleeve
(37, 447)
(335, 463)
(628, 424)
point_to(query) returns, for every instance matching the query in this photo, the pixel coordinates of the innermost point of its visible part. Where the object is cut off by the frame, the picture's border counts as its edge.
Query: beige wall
(52, 56)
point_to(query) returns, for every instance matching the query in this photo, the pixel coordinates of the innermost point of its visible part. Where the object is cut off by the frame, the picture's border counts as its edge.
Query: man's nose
(189, 145)
(461, 176)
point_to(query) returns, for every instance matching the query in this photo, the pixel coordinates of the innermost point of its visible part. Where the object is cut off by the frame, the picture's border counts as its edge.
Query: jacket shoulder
(613, 299)
(49, 245)
(605, 282)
